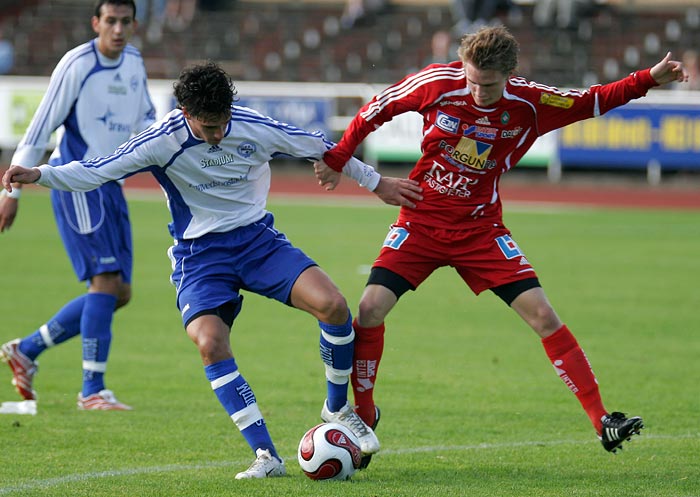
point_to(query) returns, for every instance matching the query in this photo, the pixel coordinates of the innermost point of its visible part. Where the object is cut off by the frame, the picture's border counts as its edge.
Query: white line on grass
(173, 468)
(82, 477)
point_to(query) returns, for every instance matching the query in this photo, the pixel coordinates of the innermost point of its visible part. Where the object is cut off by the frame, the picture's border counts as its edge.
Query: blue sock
(96, 328)
(238, 399)
(63, 325)
(337, 345)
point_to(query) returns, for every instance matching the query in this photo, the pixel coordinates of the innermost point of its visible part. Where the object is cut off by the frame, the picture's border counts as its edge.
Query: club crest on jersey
(446, 122)
(134, 83)
(246, 149)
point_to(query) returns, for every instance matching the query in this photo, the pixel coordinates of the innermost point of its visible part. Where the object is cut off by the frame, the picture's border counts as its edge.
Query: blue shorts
(96, 230)
(212, 270)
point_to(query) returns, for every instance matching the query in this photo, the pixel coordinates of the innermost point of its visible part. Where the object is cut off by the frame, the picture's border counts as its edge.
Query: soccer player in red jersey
(478, 122)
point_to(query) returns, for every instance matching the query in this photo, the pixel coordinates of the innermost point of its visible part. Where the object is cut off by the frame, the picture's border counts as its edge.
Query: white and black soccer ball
(329, 451)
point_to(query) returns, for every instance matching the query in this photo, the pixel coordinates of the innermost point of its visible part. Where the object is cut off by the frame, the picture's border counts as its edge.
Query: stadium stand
(302, 40)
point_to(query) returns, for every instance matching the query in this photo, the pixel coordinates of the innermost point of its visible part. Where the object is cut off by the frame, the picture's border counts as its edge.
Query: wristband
(15, 193)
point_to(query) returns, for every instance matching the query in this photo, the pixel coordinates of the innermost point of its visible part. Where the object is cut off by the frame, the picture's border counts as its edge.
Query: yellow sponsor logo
(473, 153)
(556, 100)
(469, 153)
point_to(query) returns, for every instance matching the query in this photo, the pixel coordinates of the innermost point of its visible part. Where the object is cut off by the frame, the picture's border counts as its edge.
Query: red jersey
(466, 148)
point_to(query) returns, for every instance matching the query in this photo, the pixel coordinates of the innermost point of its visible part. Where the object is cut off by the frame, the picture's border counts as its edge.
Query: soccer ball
(329, 451)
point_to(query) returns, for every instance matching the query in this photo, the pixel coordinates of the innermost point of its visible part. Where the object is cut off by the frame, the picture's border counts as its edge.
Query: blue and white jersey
(100, 102)
(210, 188)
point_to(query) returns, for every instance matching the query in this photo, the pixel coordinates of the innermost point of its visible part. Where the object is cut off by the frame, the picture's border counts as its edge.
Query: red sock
(572, 366)
(369, 346)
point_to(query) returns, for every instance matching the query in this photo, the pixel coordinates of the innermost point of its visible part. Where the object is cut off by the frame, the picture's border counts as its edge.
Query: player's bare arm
(19, 174)
(399, 191)
(392, 191)
(667, 71)
(8, 211)
(9, 203)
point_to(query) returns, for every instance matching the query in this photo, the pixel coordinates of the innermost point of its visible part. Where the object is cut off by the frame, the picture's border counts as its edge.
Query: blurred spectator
(7, 54)
(358, 11)
(691, 62)
(470, 15)
(179, 13)
(151, 17)
(563, 14)
(442, 48)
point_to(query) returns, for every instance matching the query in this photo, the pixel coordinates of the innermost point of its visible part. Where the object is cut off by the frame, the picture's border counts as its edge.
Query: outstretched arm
(392, 191)
(667, 71)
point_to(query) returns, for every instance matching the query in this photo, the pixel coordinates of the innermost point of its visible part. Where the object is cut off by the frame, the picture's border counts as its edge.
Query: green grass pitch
(471, 406)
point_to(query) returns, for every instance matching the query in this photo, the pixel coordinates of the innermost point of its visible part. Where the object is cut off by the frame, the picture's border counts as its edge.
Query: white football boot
(347, 417)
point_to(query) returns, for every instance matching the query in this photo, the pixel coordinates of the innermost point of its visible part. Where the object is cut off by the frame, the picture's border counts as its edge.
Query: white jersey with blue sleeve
(210, 188)
(99, 102)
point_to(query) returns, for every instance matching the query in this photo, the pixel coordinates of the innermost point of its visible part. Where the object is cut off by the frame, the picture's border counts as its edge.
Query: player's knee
(206, 345)
(370, 313)
(212, 346)
(544, 320)
(124, 296)
(334, 309)
(112, 284)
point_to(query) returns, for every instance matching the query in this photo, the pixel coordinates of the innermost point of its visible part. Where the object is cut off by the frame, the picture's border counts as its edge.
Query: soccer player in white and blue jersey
(98, 97)
(212, 160)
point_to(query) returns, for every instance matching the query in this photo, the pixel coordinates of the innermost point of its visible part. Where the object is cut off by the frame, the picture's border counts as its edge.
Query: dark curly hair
(205, 90)
(490, 48)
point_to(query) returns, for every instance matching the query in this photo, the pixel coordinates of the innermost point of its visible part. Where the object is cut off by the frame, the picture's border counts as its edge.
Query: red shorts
(485, 257)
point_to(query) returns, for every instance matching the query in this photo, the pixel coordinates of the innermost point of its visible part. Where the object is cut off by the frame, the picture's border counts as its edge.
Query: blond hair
(490, 48)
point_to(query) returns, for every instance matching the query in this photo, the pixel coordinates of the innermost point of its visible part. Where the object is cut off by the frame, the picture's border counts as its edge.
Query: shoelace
(20, 360)
(259, 463)
(109, 396)
(358, 426)
(616, 419)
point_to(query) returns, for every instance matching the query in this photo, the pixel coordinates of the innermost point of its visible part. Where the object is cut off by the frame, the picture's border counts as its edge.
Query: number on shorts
(508, 246)
(395, 238)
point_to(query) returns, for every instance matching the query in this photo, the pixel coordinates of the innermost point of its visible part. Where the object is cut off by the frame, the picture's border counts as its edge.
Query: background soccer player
(478, 121)
(212, 160)
(98, 94)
